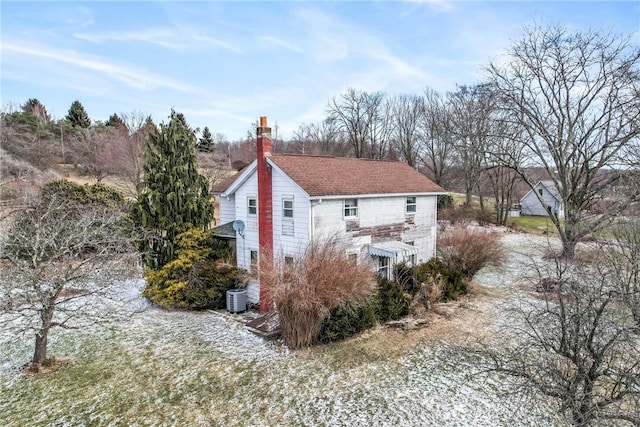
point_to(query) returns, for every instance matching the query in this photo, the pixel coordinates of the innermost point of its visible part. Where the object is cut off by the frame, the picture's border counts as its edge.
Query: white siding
(253, 291)
(530, 205)
(289, 245)
(379, 219)
(227, 209)
(250, 241)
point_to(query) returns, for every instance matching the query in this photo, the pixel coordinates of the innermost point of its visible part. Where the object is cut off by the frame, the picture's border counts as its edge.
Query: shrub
(349, 319)
(436, 274)
(470, 250)
(207, 285)
(393, 303)
(305, 291)
(76, 194)
(195, 279)
(465, 214)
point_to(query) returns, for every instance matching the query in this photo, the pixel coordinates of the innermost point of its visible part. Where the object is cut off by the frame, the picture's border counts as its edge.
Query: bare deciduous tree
(436, 142)
(129, 151)
(406, 113)
(361, 118)
(472, 109)
(60, 260)
(575, 94)
(94, 150)
(624, 258)
(577, 345)
(319, 138)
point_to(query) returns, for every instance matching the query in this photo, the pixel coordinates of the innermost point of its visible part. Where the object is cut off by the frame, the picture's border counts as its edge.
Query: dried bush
(306, 290)
(469, 250)
(405, 276)
(430, 293)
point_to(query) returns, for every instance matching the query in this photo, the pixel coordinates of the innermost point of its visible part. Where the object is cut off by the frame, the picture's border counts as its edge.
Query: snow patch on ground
(162, 367)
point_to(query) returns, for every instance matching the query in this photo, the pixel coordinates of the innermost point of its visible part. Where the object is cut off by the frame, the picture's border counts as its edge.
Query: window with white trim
(287, 216)
(288, 260)
(350, 208)
(411, 258)
(383, 266)
(252, 205)
(411, 205)
(287, 207)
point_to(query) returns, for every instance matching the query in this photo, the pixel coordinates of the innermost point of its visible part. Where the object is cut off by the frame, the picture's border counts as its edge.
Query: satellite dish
(238, 226)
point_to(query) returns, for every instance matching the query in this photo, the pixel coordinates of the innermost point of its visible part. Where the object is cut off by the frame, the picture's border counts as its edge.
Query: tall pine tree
(175, 196)
(77, 116)
(205, 143)
(116, 122)
(35, 108)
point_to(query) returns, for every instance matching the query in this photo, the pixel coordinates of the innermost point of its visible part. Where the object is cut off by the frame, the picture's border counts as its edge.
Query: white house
(546, 190)
(379, 209)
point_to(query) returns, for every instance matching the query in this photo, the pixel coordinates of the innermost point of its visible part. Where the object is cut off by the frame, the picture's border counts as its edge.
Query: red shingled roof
(339, 176)
(226, 183)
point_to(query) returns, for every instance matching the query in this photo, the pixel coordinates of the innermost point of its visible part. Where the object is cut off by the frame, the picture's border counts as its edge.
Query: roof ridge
(323, 156)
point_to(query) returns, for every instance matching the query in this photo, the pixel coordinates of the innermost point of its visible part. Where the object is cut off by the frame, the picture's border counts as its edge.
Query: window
(540, 191)
(383, 266)
(287, 216)
(411, 204)
(252, 206)
(254, 261)
(350, 208)
(353, 258)
(287, 207)
(288, 260)
(411, 258)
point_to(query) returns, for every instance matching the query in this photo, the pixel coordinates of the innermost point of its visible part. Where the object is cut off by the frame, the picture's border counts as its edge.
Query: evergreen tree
(115, 121)
(175, 196)
(205, 143)
(77, 116)
(35, 108)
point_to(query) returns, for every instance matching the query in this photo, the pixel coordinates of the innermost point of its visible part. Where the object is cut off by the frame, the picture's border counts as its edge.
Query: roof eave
(287, 177)
(377, 195)
(249, 170)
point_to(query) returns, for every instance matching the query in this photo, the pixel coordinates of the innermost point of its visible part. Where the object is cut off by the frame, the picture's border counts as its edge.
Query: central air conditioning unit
(237, 300)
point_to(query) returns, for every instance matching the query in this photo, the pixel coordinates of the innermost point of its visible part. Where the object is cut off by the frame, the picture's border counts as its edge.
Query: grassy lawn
(532, 224)
(177, 368)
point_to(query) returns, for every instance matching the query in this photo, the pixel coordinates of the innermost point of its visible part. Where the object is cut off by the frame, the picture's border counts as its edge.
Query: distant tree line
(564, 108)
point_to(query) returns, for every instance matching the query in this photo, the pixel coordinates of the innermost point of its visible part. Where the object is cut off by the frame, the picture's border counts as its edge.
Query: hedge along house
(383, 211)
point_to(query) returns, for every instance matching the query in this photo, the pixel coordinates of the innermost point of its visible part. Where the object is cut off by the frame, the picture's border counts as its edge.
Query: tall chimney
(265, 205)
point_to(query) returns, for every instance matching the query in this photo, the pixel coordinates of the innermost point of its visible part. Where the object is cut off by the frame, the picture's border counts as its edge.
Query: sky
(223, 64)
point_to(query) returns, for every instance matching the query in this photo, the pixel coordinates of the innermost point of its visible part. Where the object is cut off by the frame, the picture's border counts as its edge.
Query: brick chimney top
(264, 131)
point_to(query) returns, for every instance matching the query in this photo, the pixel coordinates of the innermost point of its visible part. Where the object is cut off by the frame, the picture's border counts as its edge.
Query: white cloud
(180, 38)
(158, 37)
(133, 77)
(281, 43)
(439, 6)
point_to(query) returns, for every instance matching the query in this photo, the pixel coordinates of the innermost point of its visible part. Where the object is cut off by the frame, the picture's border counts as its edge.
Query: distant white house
(551, 201)
(383, 211)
